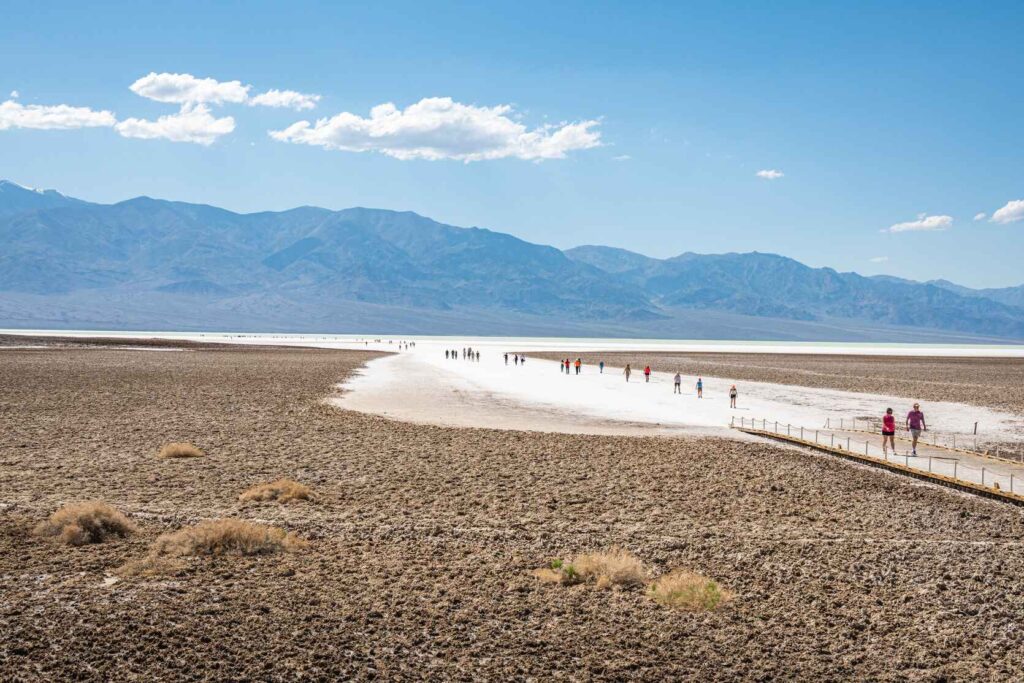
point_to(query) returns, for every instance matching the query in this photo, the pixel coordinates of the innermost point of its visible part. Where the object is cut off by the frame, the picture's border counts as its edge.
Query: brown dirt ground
(990, 382)
(423, 539)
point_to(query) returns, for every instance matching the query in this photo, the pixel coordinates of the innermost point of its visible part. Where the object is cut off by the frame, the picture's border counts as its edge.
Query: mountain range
(153, 264)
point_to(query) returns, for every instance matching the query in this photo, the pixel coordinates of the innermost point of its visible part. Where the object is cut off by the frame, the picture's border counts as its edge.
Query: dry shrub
(87, 522)
(689, 591)
(215, 537)
(180, 450)
(282, 491)
(616, 567)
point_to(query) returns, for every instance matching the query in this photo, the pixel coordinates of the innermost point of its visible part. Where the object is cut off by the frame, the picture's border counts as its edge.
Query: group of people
(467, 354)
(517, 358)
(915, 424)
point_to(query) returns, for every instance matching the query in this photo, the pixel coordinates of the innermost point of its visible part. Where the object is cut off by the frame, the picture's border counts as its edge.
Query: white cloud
(439, 128)
(187, 89)
(56, 117)
(622, 157)
(15, 94)
(879, 259)
(193, 123)
(1011, 213)
(980, 216)
(770, 174)
(923, 222)
(285, 98)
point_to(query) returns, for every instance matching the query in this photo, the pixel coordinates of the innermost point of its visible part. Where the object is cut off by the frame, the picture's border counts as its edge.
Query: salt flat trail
(421, 385)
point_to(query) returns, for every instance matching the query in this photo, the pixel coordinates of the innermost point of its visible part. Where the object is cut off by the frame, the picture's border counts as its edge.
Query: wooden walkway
(963, 470)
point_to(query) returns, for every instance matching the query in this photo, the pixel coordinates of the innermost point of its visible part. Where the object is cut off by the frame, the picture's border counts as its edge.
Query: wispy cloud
(285, 98)
(187, 89)
(622, 157)
(879, 259)
(194, 123)
(924, 222)
(980, 216)
(770, 174)
(438, 128)
(52, 117)
(1011, 213)
(15, 94)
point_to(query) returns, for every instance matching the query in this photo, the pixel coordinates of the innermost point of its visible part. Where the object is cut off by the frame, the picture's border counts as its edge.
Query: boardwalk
(939, 462)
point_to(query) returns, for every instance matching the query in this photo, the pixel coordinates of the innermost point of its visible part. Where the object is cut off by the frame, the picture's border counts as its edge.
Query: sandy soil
(423, 538)
(990, 382)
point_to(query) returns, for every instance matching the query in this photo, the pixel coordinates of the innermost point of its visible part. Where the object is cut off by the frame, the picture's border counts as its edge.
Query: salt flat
(421, 385)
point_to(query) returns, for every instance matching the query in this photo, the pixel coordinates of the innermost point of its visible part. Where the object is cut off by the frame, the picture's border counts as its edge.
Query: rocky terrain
(422, 541)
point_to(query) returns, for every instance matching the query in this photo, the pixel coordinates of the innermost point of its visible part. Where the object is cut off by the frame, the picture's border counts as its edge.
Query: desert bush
(180, 450)
(214, 537)
(615, 567)
(686, 590)
(282, 491)
(87, 522)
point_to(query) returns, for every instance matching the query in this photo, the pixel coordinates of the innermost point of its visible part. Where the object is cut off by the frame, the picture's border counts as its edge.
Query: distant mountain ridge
(146, 263)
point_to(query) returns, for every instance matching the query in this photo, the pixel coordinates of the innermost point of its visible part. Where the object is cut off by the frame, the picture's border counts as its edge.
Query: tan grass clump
(226, 537)
(615, 567)
(180, 450)
(685, 590)
(282, 491)
(214, 537)
(87, 522)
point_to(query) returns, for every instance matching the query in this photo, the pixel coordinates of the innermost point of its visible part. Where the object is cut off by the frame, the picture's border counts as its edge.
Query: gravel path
(422, 539)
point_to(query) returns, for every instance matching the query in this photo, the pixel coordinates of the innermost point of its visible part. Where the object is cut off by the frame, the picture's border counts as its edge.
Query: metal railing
(964, 442)
(948, 467)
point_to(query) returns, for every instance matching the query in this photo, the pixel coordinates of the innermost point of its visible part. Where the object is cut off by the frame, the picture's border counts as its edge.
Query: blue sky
(636, 125)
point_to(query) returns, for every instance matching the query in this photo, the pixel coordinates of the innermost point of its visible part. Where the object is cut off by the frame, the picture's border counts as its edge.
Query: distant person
(516, 359)
(601, 367)
(506, 358)
(732, 396)
(568, 365)
(579, 364)
(888, 432)
(627, 372)
(477, 356)
(916, 425)
(677, 384)
(700, 388)
(647, 373)
(446, 354)
(523, 360)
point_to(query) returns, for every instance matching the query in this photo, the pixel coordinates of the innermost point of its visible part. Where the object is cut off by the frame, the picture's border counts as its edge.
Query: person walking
(700, 388)
(506, 358)
(916, 425)
(515, 359)
(888, 432)
(732, 396)
(446, 354)
(601, 367)
(627, 372)
(677, 384)
(647, 373)
(523, 360)
(579, 364)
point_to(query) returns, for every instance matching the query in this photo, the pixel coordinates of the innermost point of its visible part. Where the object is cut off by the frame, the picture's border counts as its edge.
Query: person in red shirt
(888, 432)
(647, 373)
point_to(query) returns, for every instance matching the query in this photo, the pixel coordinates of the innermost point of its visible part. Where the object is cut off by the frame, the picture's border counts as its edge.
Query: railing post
(1011, 474)
(982, 476)
(847, 443)
(841, 422)
(929, 463)
(954, 469)
(801, 433)
(788, 430)
(833, 440)
(776, 426)
(815, 436)
(865, 448)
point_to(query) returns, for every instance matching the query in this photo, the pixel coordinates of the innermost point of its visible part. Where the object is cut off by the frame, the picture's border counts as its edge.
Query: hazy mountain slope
(154, 263)
(1010, 296)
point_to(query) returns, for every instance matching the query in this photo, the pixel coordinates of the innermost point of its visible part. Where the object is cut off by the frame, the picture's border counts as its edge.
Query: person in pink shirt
(916, 425)
(888, 432)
